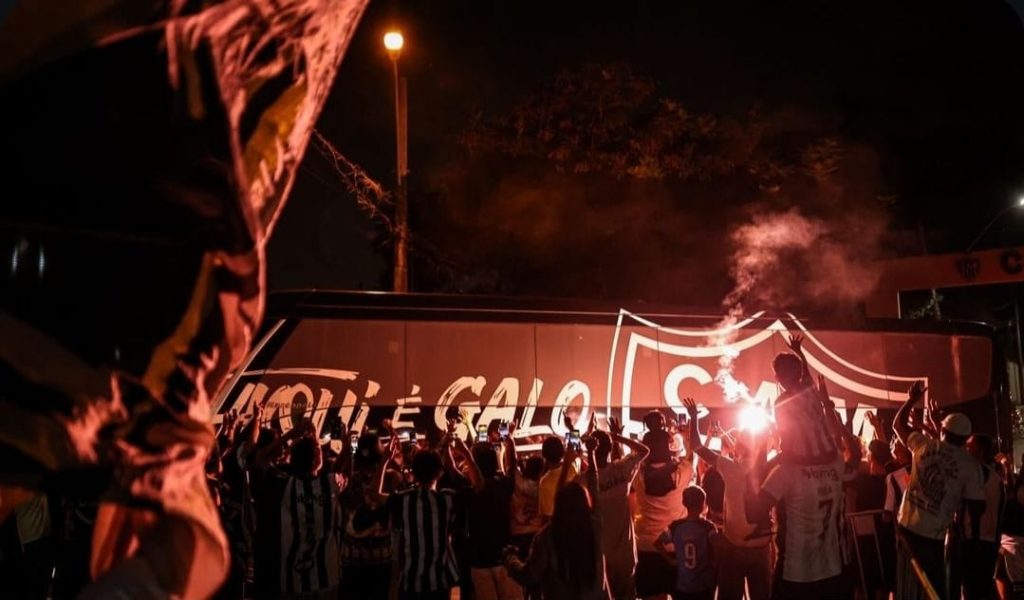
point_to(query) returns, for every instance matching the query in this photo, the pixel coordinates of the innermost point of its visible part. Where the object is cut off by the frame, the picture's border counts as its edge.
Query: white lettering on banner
(473, 384)
(402, 409)
(570, 391)
(526, 427)
(320, 414)
(348, 404)
(285, 400)
(241, 403)
(640, 357)
(248, 398)
(360, 424)
(675, 377)
(502, 405)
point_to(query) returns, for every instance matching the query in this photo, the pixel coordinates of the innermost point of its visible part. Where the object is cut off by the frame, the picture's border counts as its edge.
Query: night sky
(931, 93)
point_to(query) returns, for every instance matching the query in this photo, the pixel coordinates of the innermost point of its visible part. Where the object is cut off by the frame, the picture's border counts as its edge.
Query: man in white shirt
(942, 476)
(745, 553)
(810, 502)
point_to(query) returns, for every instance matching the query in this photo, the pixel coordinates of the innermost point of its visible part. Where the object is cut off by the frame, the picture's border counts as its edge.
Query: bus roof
(343, 304)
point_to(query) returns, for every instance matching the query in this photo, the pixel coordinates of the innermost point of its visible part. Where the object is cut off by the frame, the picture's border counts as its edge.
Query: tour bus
(419, 360)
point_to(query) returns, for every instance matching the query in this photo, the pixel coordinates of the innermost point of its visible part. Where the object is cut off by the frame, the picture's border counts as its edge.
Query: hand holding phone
(481, 433)
(572, 440)
(503, 430)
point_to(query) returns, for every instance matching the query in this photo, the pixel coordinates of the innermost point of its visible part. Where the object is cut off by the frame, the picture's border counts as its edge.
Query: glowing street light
(1018, 204)
(394, 41)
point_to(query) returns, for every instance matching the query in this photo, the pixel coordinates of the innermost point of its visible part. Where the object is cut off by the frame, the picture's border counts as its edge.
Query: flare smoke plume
(785, 260)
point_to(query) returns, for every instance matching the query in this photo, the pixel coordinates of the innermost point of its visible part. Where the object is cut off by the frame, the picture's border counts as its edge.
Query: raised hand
(795, 343)
(228, 424)
(691, 408)
(873, 419)
(395, 449)
(512, 427)
(932, 406)
(460, 446)
(567, 421)
(916, 392)
(823, 389)
(616, 427)
(571, 454)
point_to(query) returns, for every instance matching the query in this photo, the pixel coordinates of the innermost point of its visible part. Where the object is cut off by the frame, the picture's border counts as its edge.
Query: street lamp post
(394, 42)
(1018, 204)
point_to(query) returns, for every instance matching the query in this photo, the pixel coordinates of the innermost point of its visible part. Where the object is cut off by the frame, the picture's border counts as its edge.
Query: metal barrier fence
(864, 527)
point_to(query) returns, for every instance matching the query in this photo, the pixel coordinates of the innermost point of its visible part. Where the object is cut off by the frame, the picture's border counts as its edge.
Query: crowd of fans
(800, 510)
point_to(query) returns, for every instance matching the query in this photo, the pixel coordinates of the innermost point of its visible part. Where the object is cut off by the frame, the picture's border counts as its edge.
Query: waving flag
(156, 143)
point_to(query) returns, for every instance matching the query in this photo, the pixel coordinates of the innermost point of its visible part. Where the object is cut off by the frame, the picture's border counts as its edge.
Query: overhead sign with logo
(1003, 265)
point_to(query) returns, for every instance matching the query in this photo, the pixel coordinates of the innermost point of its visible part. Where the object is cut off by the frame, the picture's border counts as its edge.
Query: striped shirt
(804, 436)
(422, 520)
(309, 543)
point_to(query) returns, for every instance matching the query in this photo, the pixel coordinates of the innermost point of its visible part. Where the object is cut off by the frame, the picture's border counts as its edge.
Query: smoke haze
(786, 259)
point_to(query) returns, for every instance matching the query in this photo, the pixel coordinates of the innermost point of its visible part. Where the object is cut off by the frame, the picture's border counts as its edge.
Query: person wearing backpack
(659, 501)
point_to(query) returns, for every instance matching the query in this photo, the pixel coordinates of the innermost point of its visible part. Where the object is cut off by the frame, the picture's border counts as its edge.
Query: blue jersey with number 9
(695, 570)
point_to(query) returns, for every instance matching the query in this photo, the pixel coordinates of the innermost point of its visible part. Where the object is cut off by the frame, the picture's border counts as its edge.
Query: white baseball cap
(958, 424)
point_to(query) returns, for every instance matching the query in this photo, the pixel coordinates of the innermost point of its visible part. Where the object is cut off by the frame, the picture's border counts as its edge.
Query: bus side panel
(421, 373)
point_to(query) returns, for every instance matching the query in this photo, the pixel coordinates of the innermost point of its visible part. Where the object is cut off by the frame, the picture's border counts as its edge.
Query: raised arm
(476, 479)
(843, 434)
(877, 426)
(591, 478)
(795, 343)
(263, 457)
(637, 449)
(568, 460)
(254, 427)
(376, 493)
(616, 428)
(226, 433)
(511, 456)
(901, 424)
(343, 462)
(932, 422)
(702, 451)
